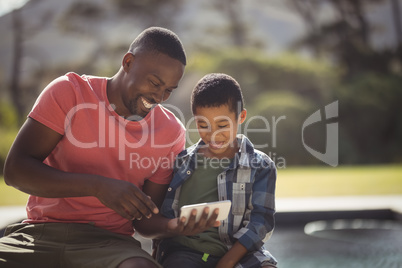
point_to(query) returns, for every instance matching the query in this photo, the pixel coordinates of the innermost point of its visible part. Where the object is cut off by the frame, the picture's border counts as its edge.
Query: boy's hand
(178, 227)
(233, 256)
(223, 263)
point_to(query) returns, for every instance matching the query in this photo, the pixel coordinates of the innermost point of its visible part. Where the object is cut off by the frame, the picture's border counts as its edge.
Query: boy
(221, 166)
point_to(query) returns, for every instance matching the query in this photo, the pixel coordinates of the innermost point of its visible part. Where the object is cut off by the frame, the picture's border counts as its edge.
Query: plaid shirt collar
(242, 158)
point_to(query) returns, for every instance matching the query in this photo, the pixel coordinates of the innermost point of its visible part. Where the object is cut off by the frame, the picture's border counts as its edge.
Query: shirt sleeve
(259, 217)
(54, 103)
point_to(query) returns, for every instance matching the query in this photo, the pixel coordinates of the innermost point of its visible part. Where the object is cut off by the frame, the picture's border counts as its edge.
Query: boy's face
(218, 127)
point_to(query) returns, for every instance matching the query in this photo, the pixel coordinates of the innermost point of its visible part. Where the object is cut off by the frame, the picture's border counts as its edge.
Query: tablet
(224, 208)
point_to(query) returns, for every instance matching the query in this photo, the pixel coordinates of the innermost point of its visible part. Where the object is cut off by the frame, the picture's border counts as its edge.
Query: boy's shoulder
(188, 151)
(255, 156)
(184, 155)
(263, 157)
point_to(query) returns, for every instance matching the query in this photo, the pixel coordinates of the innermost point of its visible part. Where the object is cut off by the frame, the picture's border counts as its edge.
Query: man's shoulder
(74, 80)
(74, 77)
(170, 118)
(89, 81)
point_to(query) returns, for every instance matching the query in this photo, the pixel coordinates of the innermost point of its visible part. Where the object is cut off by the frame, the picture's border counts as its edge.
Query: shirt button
(170, 189)
(188, 172)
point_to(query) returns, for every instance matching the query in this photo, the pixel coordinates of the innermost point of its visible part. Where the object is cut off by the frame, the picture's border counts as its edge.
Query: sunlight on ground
(10, 196)
(301, 182)
(347, 180)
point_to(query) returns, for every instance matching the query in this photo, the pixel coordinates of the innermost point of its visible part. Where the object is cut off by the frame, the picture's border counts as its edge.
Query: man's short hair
(216, 89)
(159, 40)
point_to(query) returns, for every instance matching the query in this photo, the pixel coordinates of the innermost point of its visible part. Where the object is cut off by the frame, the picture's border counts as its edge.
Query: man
(95, 154)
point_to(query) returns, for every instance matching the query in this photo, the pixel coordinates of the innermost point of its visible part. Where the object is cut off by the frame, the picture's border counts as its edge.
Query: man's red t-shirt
(96, 140)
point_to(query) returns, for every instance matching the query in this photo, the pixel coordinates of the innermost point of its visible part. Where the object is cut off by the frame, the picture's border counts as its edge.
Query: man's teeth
(147, 104)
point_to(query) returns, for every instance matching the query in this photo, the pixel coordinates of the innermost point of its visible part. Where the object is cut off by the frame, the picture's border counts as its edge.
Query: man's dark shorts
(66, 245)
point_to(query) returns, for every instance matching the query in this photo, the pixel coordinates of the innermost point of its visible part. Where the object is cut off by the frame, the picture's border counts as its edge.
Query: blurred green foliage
(7, 137)
(371, 117)
(257, 72)
(281, 92)
(8, 115)
(8, 130)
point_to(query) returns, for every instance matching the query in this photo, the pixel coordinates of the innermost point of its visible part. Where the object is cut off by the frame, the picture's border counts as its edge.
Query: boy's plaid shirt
(249, 183)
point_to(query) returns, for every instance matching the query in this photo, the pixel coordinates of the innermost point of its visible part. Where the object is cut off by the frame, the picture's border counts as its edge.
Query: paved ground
(337, 247)
(323, 232)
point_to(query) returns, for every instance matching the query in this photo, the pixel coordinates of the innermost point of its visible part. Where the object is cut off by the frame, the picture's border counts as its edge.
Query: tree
(369, 92)
(232, 10)
(346, 38)
(15, 89)
(397, 20)
(151, 12)
(306, 10)
(22, 31)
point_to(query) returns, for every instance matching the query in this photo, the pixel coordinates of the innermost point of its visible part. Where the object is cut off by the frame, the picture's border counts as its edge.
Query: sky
(8, 5)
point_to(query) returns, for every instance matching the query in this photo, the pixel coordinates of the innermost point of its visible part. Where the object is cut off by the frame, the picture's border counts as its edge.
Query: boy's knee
(137, 263)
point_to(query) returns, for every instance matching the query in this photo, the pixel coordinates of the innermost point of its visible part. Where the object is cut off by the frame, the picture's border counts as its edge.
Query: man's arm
(24, 169)
(159, 226)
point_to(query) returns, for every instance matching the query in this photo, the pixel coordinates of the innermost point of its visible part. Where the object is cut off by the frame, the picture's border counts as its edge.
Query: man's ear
(127, 61)
(242, 116)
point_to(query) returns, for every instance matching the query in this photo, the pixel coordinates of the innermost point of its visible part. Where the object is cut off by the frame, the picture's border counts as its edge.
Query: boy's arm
(158, 226)
(233, 256)
(259, 222)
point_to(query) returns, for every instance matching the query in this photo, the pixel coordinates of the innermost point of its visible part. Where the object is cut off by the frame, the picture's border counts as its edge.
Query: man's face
(150, 79)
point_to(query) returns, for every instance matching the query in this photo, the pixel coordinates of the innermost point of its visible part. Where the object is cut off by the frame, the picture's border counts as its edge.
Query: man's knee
(137, 263)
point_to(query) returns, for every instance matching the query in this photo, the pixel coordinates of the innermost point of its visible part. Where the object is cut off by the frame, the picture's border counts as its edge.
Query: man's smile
(147, 104)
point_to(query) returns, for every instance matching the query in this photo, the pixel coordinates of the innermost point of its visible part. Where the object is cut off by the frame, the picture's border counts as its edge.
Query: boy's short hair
(216, 89)
(159, 40)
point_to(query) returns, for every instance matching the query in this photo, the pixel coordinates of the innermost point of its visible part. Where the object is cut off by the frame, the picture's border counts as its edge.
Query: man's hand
(178, 227)
(126, 199)
(25, 170)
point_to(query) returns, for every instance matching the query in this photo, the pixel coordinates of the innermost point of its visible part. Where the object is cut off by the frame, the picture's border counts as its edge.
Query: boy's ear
(242, 116)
